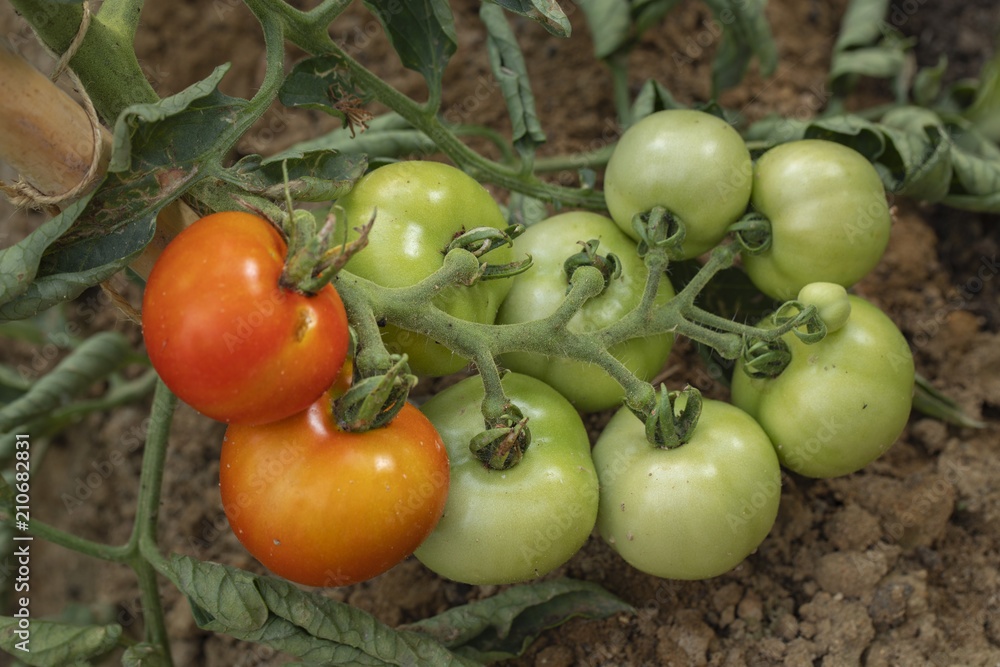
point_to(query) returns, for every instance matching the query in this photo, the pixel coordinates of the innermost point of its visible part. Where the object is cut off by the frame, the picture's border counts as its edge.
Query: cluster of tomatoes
(323, 506)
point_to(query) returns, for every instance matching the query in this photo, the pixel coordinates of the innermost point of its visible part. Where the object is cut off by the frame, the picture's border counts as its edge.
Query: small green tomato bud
(830, 300)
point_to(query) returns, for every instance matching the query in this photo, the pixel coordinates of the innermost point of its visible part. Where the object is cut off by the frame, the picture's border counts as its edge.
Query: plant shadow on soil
(895, 565)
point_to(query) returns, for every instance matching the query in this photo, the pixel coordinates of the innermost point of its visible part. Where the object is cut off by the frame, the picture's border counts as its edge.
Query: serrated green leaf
(866, 46)
(423, 34)
(917, 153)
(94, 359)
(510, 72)
(343, 624)
(746, 34)
(53, 644)
(504, 625)
(546, 12)
(927, 82)
(860, 134)
(225, 598)
(984, 111)
(316, 176)
(609, 22)
(861, 25)
(976, 185)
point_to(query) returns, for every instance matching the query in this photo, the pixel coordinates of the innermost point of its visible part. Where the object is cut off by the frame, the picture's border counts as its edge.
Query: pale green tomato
(537, 293)
(841, 402)
(692, 512)
(506, 526)
(421, 207)
(829, 217)
(690, 162)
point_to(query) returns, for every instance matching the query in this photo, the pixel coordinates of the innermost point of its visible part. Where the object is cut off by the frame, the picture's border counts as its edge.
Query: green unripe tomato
(840, 403)
(692, 512)
(829, 217)
(690, 162)
(830, 300)
(506, 526)
(537, 293)
(421, 207)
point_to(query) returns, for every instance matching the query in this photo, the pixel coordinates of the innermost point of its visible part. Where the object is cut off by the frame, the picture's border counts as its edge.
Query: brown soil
(898, 564)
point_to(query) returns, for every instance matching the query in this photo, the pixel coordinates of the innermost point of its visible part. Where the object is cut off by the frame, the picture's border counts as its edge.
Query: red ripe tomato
(323, 507)
(225, 337)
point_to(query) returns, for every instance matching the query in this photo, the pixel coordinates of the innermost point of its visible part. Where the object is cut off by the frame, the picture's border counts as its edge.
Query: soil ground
(898, 564)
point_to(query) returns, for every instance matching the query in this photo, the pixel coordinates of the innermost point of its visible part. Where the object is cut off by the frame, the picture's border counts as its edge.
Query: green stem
(588, 159)
(122, 16)
(113, 554)
(618, 63)
(107, 67)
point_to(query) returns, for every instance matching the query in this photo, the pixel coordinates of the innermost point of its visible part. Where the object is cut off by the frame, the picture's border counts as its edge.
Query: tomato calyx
(374, 401)
(672, 420)
(752, 233)
(502, 445)
(662, 229)
(481, 240)
(314, 256)
(768, 357)
(609, 265)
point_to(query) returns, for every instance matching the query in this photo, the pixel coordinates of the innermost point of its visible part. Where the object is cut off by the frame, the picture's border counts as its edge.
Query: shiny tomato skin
(323, 507)
(842, 402)
(225, 337)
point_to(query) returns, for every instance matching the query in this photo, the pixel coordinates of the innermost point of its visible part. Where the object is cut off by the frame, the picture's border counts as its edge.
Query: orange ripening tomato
(324, 507)
(225, 337)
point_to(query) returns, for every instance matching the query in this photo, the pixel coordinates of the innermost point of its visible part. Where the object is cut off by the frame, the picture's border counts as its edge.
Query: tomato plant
(324, 507)
(419, 209)
(223, 333)
(693, 511)
(539, 291)
(690, 162)
(505, 526)
(841, 402)
(829, 217)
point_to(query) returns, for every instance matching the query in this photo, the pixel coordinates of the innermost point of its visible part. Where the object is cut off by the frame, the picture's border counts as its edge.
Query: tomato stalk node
(314, 256)
(502, 445)
(373, 402)
(609, 265)
(672, 420)
(660, 228)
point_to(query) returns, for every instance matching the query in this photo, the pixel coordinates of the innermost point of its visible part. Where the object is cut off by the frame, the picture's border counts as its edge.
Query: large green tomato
(421, 207)
(506, 526)
(538, 292)
(829, 217)
(694, 511)
(690, 162)
(841, 402)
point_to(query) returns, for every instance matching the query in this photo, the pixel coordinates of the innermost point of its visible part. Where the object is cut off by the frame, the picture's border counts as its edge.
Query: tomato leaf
(867, 46)
(322, 84)
(222, 598)
(423, 34)
(745, 34)
(343, 624)
(316, 176)
(145, 655)
(52, 644)
(546, 12)
(652, 97)
(94, 359)
(504, 625)
(511, 74)
(609, 22)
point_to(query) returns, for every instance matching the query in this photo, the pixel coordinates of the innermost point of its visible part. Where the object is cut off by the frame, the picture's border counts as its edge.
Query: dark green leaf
(854, 131)
(343, 624)
(745, 34)
(511, 74)
(985, 109)
(504, 625)
(927, 83)
(53, 644)
(423, 34)
(19, 263)
(94, 359)
(609, 22)
(866, 46)
(321, 83)
(223, 598)
(917, 154)
(647, 13)
(317, 176)
(546, 12)
(862, 24)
